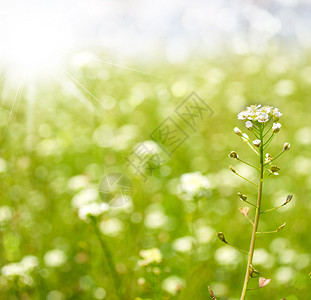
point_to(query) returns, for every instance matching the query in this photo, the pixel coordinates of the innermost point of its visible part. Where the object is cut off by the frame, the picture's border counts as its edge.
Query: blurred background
(83, 83)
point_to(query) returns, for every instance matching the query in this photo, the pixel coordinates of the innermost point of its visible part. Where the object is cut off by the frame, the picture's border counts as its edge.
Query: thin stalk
(274, 158)
(236, 173)
(247, 163)
(256, 221)
(109, 259)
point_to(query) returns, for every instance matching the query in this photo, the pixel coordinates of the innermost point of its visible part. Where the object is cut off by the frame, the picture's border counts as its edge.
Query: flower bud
(232, 169)
(257, 143)
(286, 147)
(276, 127)
(238, 131)
(233, 155)
(242, 197)
(249, 125)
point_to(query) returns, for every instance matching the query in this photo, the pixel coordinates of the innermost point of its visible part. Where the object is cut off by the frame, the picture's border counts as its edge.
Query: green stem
(109, 259)
(256, 221)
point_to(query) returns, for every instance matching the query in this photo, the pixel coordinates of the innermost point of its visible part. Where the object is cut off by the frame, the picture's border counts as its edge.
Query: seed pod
(242, 197)
(233, 155)
(221, 237)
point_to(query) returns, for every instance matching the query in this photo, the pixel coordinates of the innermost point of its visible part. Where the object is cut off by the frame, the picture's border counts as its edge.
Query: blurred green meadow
(58, 143)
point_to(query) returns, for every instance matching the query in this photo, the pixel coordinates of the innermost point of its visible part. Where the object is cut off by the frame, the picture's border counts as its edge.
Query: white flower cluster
(55, 258)
(256, 113)
(193, 185)
(150, 256)
(21, 270)
(86, 201)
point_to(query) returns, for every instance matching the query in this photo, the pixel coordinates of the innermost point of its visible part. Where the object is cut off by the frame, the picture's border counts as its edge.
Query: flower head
(258, 114)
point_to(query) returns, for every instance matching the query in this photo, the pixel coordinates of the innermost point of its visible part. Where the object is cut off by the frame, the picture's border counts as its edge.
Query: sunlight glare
(33, 43)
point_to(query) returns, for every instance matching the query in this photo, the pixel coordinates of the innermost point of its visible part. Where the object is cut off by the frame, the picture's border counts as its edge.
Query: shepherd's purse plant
(262, 123)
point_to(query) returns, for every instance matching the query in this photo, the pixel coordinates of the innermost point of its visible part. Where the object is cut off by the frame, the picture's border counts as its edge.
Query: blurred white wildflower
(21, 270)
(183, 244)
(111, 227)
(78, 182)
(84, 197)
(155, 217)
(150, 256)
(6, 214)
(263, 258)
(203, 233)
(226, 255)
(173, 285)
(284, 275)
(93, 209)
(193, 185)
(55, 258)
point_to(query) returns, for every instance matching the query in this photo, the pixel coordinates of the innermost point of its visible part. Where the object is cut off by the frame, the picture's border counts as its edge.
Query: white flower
(21, 270)
(238, 131)
(257, 143)
(263, 118)
(150, 256)
(193, 184)
(249, 125)
(276, 114)
(173, 285)
(84, 197)
(29, 262)
(93, 209)
(111, 227)
(243, 115)
(276, 127)
(155, 217)
(55, 258)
